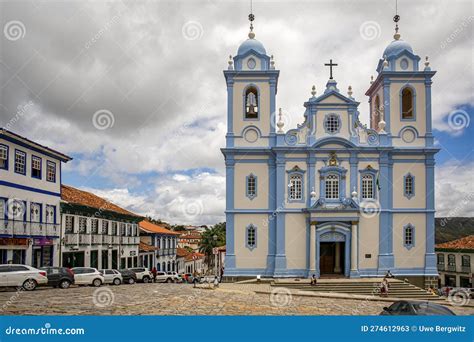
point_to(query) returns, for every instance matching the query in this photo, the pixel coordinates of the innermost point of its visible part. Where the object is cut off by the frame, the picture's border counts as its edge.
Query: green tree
(208, 242)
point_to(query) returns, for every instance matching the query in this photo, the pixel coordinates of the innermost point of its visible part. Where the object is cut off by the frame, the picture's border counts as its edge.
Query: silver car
(112, 276)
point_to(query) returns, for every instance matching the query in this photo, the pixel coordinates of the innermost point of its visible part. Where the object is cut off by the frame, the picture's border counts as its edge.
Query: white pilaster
(337, 261)
(312, 249)
(354, 243)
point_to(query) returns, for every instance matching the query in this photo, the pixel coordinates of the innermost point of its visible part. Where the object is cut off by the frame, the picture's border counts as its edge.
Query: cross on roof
(330, 65)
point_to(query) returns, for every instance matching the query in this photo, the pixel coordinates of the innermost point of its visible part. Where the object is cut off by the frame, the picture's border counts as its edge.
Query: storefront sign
(43, 242)
(13, 242)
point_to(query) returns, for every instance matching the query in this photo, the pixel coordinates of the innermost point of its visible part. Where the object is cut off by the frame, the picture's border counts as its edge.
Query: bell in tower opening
(251, 103)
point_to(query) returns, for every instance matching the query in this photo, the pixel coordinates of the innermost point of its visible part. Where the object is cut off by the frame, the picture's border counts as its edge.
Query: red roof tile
(466, 242)
(154, 228)
(81, 197)
(144, 247)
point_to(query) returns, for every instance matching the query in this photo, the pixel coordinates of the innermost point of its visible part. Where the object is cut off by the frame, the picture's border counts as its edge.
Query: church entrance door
(331, 259)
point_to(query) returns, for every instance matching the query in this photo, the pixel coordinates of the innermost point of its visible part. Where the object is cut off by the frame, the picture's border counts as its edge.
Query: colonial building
(455, 262)
(97, 233)
(330, 197)
(30, 191)
(191, 239)
(158, 247)
(190, 262)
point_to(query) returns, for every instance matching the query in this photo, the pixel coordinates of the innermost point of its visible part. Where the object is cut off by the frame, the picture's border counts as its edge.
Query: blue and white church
(332, 196)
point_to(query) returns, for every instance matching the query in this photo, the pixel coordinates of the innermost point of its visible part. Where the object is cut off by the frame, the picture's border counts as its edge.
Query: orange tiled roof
(191, 235)
(144, 247)
(81, 197)
(196, 255)
(182, 252)
(154, 228)
(464, 243)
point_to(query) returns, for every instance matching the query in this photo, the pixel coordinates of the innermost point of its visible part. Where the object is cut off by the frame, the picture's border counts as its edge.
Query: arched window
(295, 187)
(367, 187)
(251, 103)
(376, 113)
(407, 99)
(332, 187)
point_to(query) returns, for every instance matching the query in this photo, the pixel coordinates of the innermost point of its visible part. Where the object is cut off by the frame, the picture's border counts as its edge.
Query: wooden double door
(328, 258)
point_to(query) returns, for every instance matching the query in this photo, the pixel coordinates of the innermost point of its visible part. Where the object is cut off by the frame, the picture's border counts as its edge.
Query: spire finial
(396, 19)
(313, 91)
(231, 63)
(280, 122)
(349, 91)
(251, 19)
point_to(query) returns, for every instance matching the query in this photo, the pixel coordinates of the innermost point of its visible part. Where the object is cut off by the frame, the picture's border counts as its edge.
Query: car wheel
(64, 284)
(117, 281)
(30, 284)
(169, 280)
(146, 279)
(131, 281)
(97, 282)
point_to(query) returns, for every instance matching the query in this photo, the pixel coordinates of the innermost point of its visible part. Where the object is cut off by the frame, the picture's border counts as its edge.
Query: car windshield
(431, 309)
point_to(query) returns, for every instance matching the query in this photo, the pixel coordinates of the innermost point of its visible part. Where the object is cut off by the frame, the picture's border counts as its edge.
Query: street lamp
(215, 253)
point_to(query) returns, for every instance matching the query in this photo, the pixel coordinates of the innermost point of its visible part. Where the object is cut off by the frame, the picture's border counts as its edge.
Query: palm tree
(212, 237)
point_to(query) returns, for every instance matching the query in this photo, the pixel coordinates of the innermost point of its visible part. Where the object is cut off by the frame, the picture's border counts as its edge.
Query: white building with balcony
(97, 233)
(30, 192)
(158, 247)
(455, 262)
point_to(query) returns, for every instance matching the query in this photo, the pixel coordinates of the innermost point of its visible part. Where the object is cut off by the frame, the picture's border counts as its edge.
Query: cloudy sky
(134, 91)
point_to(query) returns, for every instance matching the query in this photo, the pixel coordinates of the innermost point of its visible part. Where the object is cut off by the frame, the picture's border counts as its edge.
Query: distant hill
(452, 228)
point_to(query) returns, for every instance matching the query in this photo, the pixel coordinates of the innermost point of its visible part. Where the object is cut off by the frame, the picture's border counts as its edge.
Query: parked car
(163, 277)
(111, 276)
(128, 276)
(143, 274)
(177, 278)
(62, 277)
(187, 277)
(88, 276)
(22, 275)
(416, 308)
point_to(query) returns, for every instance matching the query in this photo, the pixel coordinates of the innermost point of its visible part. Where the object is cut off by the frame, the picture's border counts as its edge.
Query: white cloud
(454, 188)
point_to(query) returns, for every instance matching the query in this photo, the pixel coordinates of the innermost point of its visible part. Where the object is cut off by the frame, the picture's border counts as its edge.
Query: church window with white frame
(295, 187)
(332, 187)
(251, 236)
(409, 236)
(409, 186)
(367, 187)
(251, 186)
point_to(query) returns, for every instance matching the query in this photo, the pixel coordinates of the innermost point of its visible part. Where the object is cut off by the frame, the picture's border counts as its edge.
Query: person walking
(384, 288)
(153, 272)
(216, 281)
(314, 280)
(195, 279)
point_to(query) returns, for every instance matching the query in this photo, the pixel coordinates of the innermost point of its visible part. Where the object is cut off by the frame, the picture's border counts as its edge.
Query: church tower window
(251, 103)
(332, 187)
(409, 186)
(407, 98)
(251, 237)
(409, 236)
(295, 188)
(251, 186)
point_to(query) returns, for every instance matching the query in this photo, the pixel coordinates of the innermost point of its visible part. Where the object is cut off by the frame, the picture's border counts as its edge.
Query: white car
(88, 276)
(112, 277)
(22, 275)
(143, 274)
(175, 276)
(163, 277)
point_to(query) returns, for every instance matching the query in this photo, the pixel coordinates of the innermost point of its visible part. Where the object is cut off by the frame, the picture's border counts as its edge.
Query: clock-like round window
(251, 63)
(404, 64)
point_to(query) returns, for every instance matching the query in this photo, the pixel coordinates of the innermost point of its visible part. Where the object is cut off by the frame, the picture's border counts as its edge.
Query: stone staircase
(367, 287)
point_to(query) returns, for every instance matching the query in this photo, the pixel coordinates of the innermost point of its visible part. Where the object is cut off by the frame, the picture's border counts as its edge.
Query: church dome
(251, 44)
(395, 47)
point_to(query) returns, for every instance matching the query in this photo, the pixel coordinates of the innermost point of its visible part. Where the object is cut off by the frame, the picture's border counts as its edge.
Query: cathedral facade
(330, 197)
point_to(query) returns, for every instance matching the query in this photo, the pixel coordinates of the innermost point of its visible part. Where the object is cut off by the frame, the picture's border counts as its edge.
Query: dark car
(128, 276)
(416, 308)
(62, 277)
